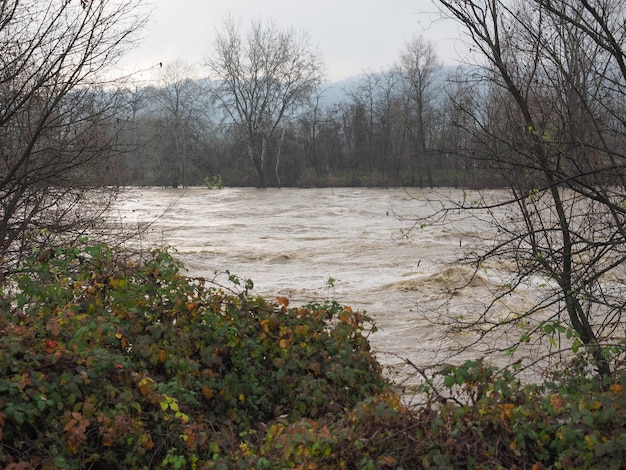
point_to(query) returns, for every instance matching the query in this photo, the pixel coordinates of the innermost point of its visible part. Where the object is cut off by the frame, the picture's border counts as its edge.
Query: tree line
(262, 116)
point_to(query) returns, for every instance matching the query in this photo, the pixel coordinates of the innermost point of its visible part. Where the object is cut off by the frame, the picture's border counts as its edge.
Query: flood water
(353, 245)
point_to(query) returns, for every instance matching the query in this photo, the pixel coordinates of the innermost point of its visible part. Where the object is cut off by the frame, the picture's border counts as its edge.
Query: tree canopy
(262, 80)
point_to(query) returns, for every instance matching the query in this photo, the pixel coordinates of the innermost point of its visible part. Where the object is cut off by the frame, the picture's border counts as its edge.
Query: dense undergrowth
(111, 363)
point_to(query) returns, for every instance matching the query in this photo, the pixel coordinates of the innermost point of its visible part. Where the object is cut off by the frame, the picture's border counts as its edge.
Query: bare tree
(263, 79)
(554, 128)
(138, 161)
(420, 68)
(371, 101)
(455, 138)
(365, 125)
(57, 113)
(182, 113)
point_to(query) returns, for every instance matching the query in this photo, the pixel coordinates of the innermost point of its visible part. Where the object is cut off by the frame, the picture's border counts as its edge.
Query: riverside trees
(183, 125)
(553, 126)
(57, 126)
(420, 69)
(262, 80)
(280, 127)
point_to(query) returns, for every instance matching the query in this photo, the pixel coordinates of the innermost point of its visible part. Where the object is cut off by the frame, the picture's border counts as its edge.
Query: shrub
(485, 420)
(110, 363)
(488, 419)
(105, 362)
(213, 182)
(378, 432)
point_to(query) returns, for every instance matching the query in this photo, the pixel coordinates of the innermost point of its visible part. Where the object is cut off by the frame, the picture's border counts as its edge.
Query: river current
(360, 247)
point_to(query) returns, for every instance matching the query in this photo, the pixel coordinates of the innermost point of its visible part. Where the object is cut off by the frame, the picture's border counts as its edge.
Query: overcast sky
(352, 36)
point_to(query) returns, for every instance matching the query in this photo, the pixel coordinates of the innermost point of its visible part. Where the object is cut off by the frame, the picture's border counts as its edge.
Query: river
(357, 246)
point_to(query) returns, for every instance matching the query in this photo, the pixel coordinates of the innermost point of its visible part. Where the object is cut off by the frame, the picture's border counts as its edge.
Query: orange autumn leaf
(54, 327)
(75, 430)
(146, 385)
(107, 438)
(557, 402)
(302, 330)
(387, 461)
(325, 433)
(162, 355)
(207, 392)
(284, 301)
(505, 410)
(283, 343)
(146, 441)
(193, 307)
(24, 381)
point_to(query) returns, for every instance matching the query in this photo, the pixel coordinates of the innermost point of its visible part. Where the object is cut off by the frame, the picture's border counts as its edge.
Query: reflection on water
(350, 245)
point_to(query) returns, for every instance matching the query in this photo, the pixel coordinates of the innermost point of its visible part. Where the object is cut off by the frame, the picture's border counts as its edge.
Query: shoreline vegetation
(479, 179)
(111, 361)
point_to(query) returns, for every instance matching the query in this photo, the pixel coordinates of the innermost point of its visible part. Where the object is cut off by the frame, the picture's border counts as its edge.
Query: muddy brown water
(357, 246)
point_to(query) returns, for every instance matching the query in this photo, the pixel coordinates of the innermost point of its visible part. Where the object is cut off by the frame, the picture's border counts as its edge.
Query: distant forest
(393, 128)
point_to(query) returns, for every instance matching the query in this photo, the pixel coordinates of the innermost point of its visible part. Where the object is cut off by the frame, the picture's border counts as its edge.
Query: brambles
(105, 360)
(502, 425)
(486, 419)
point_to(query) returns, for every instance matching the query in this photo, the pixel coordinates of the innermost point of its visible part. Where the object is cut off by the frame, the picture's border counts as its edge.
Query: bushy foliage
(213, 182)
(490, 421)
(108, 363)
(105, 362)
(480, 419)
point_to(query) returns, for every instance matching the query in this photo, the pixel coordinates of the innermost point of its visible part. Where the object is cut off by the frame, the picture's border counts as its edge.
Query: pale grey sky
(352, 36)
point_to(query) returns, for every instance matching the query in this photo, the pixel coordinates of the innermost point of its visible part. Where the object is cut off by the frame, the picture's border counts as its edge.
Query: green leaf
(449, 381)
